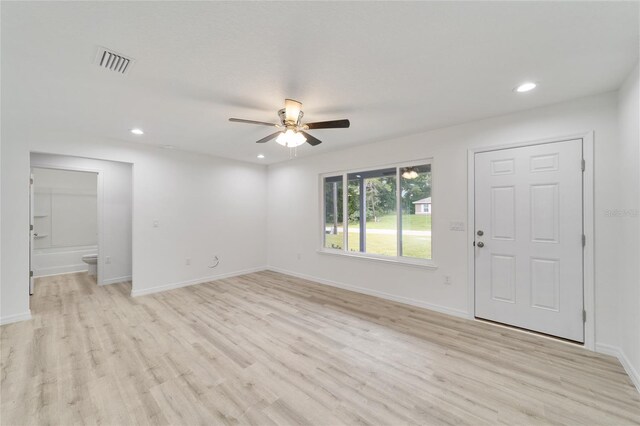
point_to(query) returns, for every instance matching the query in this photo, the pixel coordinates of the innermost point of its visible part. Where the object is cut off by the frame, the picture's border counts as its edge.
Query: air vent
(112, 61)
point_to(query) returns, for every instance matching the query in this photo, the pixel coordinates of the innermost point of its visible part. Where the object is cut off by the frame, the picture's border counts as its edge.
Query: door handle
(480, 244)
(480, 233)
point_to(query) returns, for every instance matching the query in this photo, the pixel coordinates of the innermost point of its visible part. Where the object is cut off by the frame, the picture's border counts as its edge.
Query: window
(384, 212)
(415, 203)
(333, 213)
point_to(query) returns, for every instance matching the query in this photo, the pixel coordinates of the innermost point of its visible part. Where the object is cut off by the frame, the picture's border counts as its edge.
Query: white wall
(627, 221)
(115, 205)
(65, 208)
(204, 206)
(294, 217)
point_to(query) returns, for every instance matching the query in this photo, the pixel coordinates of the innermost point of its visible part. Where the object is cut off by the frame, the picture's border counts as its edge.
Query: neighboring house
(423, 206)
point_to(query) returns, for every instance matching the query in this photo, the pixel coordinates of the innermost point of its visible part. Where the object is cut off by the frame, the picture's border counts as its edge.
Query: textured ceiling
(391, 68)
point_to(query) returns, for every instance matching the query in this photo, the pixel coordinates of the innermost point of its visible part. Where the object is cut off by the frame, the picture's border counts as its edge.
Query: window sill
(417, 263)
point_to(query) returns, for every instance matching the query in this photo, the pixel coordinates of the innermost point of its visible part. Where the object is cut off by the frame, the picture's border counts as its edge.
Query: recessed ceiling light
(260, 156)
(525, 87)
(137, 131)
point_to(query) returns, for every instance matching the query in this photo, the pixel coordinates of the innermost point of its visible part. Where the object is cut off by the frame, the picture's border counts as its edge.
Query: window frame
(344, 251)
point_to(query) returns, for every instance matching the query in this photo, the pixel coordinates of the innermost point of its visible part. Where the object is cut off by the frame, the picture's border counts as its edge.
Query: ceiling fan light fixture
(409, 173)
(291, 139)
(292, 110)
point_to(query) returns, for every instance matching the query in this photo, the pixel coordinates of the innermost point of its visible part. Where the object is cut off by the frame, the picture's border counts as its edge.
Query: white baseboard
(116, 280)
(25, 316)
(618, 353)
(375, 293)
(59, 270)
(172, 286)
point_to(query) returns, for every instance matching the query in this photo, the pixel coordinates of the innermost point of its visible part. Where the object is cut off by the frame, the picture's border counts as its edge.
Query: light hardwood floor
(266, 348)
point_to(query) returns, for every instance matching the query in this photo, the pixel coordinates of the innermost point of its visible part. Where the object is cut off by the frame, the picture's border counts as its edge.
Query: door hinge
(30, 274)
(31, 181)
(584, 316)
(584, 165)
(30, 227)
(584, 240)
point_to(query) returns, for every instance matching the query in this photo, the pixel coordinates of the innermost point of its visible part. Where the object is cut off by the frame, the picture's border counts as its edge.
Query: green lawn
(385, 244)
(411, 222)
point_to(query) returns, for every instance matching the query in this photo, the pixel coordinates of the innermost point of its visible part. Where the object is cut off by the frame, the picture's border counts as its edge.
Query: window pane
(372, 212)
(415, 203)
(353, 208)
(333, 212)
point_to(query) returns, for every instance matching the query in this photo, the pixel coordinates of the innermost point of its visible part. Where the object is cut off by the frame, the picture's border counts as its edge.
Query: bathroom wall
(114, 184)
(65, 219)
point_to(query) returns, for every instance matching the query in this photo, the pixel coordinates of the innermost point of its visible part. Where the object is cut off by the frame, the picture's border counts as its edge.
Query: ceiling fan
(292, 132)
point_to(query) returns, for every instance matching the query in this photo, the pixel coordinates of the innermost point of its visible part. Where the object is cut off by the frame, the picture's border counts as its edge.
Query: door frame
(32, 224)
(588, 211)
(100, 199)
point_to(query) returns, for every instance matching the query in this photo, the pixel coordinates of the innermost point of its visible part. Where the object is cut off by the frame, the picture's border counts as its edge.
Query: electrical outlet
(447, 280)
(187, 261)
(107, 260)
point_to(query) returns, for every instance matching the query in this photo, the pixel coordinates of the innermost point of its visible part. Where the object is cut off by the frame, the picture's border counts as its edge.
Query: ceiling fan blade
(268, 138)
(311, 140)
(332, 124)
(263, 123)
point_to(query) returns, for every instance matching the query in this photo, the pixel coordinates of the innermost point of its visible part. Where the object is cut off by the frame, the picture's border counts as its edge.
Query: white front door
(528, 224)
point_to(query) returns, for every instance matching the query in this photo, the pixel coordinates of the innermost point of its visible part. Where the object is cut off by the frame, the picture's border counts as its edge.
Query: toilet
(92, 261)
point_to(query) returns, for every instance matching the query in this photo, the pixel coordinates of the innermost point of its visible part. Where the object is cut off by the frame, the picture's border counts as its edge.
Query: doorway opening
(80, 216)
(64, 217)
